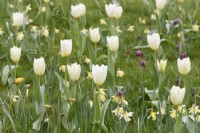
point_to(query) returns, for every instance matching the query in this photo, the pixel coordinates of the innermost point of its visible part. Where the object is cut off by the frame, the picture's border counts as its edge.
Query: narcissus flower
(173, 113)
(120, 73)
(195, 27)
(177, 95)
(162, 65)
(95, 35)
(18, 19)
(66, 47)
(18, 80)
(15, 54)
(114, 11)
(39, 66)
(78, 11)
(113, 43)
(118, 111)
(74, 71)
(153, 41)
(194, 110)
(99, 74)
(127, 115)
(184, 66)
(152, 115)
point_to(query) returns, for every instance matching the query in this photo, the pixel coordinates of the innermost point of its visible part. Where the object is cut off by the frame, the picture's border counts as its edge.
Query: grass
(28, 113)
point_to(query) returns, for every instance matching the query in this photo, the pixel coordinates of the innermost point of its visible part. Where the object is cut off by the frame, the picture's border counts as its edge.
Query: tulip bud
(17, 19)
(182, 56)
(66, 47)
(160, 4)
(39, 66)
(94, 35)
(176, 21)
(113, 11)
(139, 53)
(161, 65)
(143, 63)
(177, 95)
(15, 54)
(113, 43)
(153, 41)
(78, 11)
(99, 74)
(74, 71)
(119, 93)
(184, 66)
(177, 46)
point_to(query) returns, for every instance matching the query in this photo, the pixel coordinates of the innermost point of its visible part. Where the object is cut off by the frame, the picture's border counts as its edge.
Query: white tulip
(15, 54)
(74, 71)
(113, 11)
(94, 35)
(160, 4)
(118, 12)
(161, 65)
(113, 43)
(78, 11)
(39, 66)
(184, 65)
(153, 41)
(66, 47)
(99, 74)
(17, 19)
(177, 95)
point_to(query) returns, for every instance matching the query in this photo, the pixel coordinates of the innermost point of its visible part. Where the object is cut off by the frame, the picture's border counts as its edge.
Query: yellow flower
(62, 68)
(102, 95)
(142, 21)
(179, 34)
(45, 31)
(28, 8)
(11, 5)
(14, 98)
(71, 100)
(43, 9)
(118, 29)
(124, 101)
(162, 111)
(195, 27)
(18, 80)
(56, 31)
(120, 73)
(84, 31)
(173, 113)
(66, 83)
(20, 36)
(181, 1)
(152, 115)
(181, 109)
(46, 1)
(47, 106)
(33, 28)
(118, 111)
(153, 17)
(127, 116)
(157, 12)
(87, 60)
(146, 31)
(89, 75)
(90, 102)
(194, 110)
(115, 98)
(102, 21)
(131, 28)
